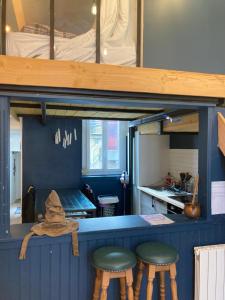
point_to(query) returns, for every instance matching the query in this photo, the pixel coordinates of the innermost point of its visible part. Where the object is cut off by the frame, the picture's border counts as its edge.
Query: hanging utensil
(195, 189)
(192, 210)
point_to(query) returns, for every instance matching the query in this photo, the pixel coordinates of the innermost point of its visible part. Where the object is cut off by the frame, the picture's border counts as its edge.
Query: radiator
(210, 272)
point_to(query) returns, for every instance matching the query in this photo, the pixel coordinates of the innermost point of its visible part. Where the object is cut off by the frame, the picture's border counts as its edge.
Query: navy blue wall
(108, 185)
(183, 141)
(4, 167)
(46, 165)
(185, 35)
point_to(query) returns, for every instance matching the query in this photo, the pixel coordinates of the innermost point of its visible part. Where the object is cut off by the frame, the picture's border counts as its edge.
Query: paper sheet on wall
(157, 219)
(218, 197)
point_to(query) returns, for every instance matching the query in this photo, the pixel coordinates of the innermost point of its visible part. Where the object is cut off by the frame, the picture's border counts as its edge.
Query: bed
(74, 202)
(118, 38)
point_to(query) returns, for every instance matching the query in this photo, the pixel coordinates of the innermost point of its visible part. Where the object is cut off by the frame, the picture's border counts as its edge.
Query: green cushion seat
(114, 259)
(157, 253)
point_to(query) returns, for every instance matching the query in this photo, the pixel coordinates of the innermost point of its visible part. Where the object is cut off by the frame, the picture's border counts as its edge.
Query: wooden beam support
(19, 13)
(185, 123)
(84, 108)
(75, 75)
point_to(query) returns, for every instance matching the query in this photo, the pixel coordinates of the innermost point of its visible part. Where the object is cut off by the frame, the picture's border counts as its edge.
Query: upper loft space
(164, 34)
(75, 30)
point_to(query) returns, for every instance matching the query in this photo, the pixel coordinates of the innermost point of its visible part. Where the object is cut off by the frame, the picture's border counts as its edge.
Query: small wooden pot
(192, 211)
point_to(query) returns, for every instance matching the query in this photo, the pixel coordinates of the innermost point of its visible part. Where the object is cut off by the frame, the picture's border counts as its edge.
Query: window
(104, 147)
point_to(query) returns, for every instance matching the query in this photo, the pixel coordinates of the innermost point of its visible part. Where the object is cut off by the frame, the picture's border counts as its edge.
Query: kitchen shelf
(221, 132)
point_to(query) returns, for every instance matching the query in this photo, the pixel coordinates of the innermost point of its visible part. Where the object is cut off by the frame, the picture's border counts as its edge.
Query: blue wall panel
(46, 165)
(4, 167)
(50, 272)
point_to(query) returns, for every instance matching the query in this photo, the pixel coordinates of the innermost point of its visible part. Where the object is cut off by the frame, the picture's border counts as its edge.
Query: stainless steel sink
(157, 188)
(184, 198)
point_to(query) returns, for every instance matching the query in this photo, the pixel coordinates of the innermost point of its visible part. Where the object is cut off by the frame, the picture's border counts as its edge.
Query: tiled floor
(15, 213)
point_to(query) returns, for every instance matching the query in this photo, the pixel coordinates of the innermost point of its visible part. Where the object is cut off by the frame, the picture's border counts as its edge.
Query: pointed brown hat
(55, 224)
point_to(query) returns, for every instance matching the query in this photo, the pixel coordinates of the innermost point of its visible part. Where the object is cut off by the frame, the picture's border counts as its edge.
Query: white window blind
(104, 147)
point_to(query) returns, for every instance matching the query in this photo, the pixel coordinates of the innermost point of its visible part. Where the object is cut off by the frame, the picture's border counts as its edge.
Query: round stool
(156, 257)
(113, 262)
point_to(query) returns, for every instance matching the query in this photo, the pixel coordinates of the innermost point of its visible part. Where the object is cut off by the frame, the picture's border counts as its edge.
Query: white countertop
(162, 195)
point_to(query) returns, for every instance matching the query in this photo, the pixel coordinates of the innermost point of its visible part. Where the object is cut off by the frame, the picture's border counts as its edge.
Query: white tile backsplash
(183, 160)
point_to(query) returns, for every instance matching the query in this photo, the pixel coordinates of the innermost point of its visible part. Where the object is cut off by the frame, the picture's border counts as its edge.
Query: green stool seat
(114, 259)
(157, 253)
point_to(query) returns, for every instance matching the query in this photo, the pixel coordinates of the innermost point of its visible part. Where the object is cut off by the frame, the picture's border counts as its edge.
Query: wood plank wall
(50, 272)
(187, 123)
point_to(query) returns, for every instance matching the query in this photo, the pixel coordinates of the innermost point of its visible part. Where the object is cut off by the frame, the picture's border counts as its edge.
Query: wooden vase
(192, 211)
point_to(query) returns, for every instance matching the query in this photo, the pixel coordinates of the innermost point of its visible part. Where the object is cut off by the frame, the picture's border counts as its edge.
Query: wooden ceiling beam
(90, 76)
(84, 108)
(81, 117)
(19, 13)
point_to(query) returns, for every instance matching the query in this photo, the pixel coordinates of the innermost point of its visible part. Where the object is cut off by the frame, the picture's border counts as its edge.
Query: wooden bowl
(192, 211)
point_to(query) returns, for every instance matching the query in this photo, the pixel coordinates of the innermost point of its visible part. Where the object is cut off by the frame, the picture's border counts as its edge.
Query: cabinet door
(147, 207)
(160, 206)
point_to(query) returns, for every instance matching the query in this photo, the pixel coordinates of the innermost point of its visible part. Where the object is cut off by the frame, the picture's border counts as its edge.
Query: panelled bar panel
(4, 167)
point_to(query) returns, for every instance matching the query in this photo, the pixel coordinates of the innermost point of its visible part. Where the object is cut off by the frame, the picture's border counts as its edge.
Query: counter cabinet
(152, 205)
(52, 272)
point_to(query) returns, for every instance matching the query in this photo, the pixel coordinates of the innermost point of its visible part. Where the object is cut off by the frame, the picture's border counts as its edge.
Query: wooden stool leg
(97, 285)
(173, 283)
(162, 285)
(151, 277)
(129, 280)
(105, 284)
(137, 290)
(122, 288)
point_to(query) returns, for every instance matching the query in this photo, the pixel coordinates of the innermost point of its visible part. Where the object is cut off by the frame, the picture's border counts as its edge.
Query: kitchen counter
(162, 195)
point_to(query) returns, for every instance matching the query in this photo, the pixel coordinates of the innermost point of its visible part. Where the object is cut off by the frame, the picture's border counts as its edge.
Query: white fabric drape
(117, 39)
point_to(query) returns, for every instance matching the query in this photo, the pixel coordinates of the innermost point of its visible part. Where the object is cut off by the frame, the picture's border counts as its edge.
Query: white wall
(154, 158)
(15, 158)
(15, 140)
(183, 160)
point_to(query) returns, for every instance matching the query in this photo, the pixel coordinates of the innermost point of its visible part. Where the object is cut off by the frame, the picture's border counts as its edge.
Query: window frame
(123, 134)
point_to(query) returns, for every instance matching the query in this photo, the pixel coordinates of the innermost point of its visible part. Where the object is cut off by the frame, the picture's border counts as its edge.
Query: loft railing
(15, 14)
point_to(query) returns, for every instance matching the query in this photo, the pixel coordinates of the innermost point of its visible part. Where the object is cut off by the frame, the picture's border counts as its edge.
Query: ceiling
(31, 108)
